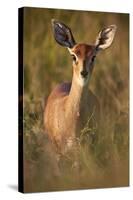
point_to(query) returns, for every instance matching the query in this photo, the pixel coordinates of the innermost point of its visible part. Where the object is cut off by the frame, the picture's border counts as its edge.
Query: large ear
(105, 37)
(63, 34)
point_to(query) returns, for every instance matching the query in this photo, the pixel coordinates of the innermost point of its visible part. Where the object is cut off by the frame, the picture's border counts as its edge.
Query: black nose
(84, 73)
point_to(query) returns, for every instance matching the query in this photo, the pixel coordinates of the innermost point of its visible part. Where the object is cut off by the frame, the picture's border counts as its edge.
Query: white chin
(82, 81)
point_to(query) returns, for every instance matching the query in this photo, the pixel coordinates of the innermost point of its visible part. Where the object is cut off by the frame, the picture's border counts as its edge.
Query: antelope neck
(77, 97)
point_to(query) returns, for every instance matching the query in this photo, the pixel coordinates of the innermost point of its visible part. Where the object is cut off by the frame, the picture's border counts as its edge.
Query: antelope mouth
(84, 74)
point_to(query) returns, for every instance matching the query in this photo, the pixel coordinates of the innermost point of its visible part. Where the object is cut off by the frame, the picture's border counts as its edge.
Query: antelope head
(83, 54)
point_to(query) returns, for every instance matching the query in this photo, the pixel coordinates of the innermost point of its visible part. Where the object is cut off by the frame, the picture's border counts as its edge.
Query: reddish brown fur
(83, 50)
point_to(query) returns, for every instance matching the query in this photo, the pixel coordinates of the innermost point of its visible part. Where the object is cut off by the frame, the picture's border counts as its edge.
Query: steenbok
(70, 105)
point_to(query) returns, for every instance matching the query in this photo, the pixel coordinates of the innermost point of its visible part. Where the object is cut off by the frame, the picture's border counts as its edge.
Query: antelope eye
(93, 58)
(74, 58)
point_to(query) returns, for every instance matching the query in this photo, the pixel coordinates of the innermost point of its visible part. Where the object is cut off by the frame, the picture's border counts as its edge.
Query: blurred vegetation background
(47, 64)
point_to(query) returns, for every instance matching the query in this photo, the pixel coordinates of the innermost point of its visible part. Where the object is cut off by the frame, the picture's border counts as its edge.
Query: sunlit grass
(99, 158)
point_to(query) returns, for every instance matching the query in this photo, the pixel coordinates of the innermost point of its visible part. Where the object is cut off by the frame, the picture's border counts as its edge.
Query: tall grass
(100, 156)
